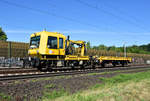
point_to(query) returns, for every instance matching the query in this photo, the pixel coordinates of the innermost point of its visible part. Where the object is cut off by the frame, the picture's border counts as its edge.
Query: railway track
(10, 70)
(17, 70)
(64, 73)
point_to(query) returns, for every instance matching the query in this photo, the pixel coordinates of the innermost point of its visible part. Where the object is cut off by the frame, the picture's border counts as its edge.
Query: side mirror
(68, 37)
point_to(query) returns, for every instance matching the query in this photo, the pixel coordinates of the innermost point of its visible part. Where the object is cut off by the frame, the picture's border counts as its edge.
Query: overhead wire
(121, 12)
(110, 13)
(47, 13)
(106, 28)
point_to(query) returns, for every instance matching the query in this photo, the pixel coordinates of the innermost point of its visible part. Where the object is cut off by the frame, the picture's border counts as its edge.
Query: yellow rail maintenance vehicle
(50, 50)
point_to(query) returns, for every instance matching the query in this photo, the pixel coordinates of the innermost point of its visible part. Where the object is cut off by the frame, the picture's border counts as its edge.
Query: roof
(48, 33)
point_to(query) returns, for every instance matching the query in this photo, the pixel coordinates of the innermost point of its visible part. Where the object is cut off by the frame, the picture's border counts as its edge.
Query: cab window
(61, 43)
(52, 42)
(35, 42)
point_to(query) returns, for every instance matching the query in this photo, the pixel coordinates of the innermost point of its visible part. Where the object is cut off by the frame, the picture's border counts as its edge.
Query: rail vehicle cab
(47, 45)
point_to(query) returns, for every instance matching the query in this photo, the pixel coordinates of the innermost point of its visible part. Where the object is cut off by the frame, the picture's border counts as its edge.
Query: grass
(50, 78)
(117, 71)
(49, 86)
(54, 94)
(109, 72)
(126, 77)
(4, 97)
(50, 95)
(123, 87)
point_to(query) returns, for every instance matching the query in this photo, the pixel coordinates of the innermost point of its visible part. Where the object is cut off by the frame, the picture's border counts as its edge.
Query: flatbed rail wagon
(114, 60)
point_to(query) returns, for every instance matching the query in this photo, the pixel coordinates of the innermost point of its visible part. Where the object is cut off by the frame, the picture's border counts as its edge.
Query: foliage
(54, 94)
(142, 49)
(126, 77)
(3, 35)
(4, 97)
(88, 45)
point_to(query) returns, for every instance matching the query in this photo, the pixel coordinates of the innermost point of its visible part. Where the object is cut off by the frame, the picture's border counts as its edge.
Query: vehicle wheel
(114, 65)
(103, 64)
(72, 67)
(82, 67)
(49, 69)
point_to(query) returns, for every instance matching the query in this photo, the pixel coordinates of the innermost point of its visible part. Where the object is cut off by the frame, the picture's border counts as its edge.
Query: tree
(88, 45)
(102, 47)
(112, 48)
(3, 35)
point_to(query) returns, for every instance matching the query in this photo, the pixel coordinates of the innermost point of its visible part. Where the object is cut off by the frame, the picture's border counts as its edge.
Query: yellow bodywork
(74, 57)
(81, 53)
(102, 58)
(43, 49)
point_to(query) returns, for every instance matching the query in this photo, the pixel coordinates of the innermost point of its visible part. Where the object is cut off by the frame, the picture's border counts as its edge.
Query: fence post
(9, 52)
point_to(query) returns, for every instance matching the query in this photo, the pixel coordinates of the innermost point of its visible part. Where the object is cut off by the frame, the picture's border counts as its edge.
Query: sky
(108, 22)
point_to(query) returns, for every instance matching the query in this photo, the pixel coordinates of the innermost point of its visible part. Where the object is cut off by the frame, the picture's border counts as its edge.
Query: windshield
(35, 41)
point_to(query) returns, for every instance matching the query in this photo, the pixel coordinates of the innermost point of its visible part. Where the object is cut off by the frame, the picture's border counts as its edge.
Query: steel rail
(13, 71)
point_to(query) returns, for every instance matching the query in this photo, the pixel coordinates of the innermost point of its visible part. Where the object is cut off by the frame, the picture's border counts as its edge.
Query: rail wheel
(103, 64)
(114, 65)
(123, 64)
(93, 66)
(49, 69)
(82, 66)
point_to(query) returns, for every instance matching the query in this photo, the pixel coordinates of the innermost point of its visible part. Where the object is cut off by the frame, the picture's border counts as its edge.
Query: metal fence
(10, 49)
(12, 52)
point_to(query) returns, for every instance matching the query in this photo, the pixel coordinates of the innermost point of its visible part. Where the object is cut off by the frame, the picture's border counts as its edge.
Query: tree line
(141, 49)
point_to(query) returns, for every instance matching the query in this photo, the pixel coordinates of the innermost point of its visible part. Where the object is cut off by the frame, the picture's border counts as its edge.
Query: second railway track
(17, 70)
(63, 73)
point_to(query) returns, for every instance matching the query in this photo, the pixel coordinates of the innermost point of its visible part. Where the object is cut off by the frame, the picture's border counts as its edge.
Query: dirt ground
(32, 89)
